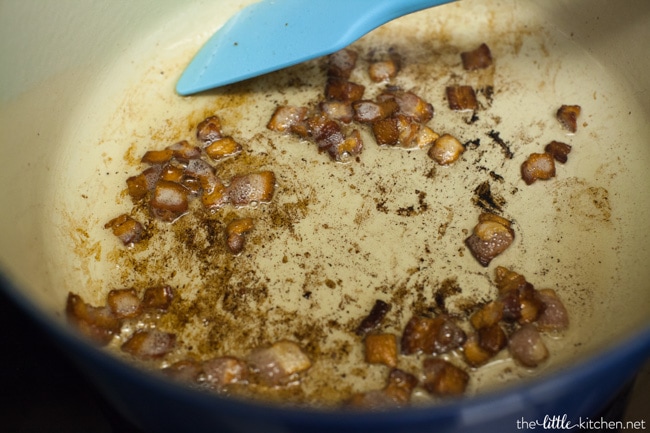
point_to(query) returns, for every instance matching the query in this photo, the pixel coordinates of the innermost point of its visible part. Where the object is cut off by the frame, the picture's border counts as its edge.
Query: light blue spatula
(274, 34)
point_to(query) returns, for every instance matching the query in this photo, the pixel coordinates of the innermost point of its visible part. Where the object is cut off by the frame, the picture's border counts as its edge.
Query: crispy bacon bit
(139, 186)
(209, 130)
(386, 131)
(462, 98)
(235, 234)
(326, 133)
(442, 378)
(480, 58)
(568, 115)
(350, 146)
(381, 349)
(342, 63)
(251, 188)
(215, 197)
(124, 303)
(366, 111)
(426, 137)
(153, 157)
(410, 105)
(97, 323)
(489, 315)
(431, 336)
(554, 316)
(490, 237)
(400, 386)
(473, 353)
(337, 110)
(492, 338)
(342, 90)
(172, 173)
(169, 200)
(383, 70)
(538, 166)
(150, 344)
(279, 364)
(184, 151)
(527, 346)
(286, 117)
(446, 149)
(223, 371)
(507, 280)
(374, 318)
(222, 147)
(127, 229)
(560, 151)
(157, 298)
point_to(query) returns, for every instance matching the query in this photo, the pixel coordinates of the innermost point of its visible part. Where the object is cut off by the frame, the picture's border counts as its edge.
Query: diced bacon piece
(139, 186)
(366, 111)
(153, 157)
(172, 172)
(279, 364)
(203, 172)
(286, 117)
(538, 166)
(381, 349)
(431, 336)
(342, 63)
(338, 110)
(251, 188)
(97, 323)
(527, 346)
(184, 151)
(507, 280)
(209, 130)
(474, 354)
(414, 107)
(187, 370)
(327, 134)
(426, 137)
(215, 197)
(149, 344)
(235, 234)
(350, 146)
(169, 200)
(446, 149)
(226, 146)
(479, 58)
(444, 379)
(568, 115)
(462, 98)
(223, 371)
(374, 318)
(127, 229)
(492, 338)
(560, 151)
(124, 303)
(157, 298)
(407, 131)
(383, 70)
(554, 316)
(490, 314)
(490, 237)
(400, 386)
(386, 131)
(342, 90)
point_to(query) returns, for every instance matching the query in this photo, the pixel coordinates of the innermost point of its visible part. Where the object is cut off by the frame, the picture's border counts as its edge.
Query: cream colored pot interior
(88, 87)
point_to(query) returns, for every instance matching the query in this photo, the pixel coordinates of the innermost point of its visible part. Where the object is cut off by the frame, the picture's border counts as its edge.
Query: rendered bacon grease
(447, 349)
